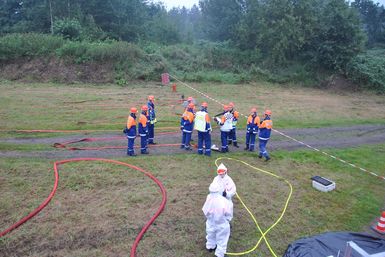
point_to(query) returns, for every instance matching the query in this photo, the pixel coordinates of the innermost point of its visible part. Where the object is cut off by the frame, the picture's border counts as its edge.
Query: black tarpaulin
(334, 243)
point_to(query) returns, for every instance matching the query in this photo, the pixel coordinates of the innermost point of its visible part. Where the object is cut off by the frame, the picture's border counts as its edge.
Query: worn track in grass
(330, 137)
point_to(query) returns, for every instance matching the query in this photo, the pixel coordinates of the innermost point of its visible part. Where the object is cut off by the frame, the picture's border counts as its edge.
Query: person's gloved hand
(181, 127)
(224, 193)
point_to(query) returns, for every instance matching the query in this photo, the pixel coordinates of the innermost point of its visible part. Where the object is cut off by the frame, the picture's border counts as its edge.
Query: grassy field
(99, 208)
(87, 107)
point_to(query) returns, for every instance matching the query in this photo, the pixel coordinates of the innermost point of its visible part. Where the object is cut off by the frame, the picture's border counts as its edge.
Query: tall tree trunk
(69, 9)
(51, 16)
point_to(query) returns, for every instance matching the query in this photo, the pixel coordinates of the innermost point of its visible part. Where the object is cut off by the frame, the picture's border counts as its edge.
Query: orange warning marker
(380, 228)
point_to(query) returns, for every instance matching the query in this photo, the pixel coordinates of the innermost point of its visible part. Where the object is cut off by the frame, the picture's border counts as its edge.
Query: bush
(201, 62)
(217, 76)
(368, 70)
(68, 28)
(28, 45)
(113, 51)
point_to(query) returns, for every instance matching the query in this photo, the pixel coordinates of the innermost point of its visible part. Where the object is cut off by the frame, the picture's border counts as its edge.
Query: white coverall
(217, 212)
(228, 185)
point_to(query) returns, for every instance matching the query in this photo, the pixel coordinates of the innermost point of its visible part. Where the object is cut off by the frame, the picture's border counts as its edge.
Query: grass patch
(105, 107)
(24, 147)
(100, 207)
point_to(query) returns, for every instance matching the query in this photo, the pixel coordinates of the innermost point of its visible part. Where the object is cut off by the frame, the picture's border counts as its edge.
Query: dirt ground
(168, 142)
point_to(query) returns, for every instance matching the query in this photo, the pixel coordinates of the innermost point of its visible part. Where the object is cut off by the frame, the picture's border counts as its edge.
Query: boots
(235, 143)
(212, 249)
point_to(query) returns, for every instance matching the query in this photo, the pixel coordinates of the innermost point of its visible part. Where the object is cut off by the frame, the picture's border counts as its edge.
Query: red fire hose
(48, 199)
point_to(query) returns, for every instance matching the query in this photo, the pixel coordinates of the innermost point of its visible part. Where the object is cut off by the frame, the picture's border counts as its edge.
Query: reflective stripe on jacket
(202, 121)
(131, 126)
(265, 129)
(227, 122)
(235, 118)
(142, 128)
(151, 111)
(187, 121)
(252, 124)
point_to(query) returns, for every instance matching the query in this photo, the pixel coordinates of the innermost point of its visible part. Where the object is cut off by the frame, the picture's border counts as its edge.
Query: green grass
(24, 147)
(105, 107)
(100, 206)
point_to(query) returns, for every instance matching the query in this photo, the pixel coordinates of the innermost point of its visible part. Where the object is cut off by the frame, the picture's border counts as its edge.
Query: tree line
(325, 33)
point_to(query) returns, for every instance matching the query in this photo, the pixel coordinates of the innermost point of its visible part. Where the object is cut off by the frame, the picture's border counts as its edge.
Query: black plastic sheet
(334, 244)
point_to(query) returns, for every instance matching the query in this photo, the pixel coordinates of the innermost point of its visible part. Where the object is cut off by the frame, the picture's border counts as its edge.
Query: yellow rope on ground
(263, 234)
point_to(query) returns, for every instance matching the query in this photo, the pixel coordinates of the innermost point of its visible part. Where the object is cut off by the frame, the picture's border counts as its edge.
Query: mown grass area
(105, 107)
(99, 208)
(24, 147)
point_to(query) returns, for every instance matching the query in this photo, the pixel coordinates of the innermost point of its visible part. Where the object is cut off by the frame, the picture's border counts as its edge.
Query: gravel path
(331, 137)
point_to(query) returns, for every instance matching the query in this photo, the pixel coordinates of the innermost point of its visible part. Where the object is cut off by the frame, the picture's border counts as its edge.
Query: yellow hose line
(263, 234)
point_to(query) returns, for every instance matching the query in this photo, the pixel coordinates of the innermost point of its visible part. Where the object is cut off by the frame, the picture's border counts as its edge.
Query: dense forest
(263, 37)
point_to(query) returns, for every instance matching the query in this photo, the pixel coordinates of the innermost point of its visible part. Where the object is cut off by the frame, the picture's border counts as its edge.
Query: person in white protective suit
(228, 188)
(217, 212)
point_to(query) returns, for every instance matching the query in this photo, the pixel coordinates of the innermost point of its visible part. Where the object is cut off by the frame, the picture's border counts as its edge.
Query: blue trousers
(186, 138)
(225, 146)
(233, 136)
(204, 137)
(250, 140)
(262, 148)
(143, 144)
(130, 146)
(151, 129)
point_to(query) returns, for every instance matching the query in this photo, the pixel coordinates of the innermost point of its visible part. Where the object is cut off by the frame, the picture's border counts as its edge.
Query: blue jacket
(131, 126)
(151, 111)
(142, 127)
(265, 128)
(187, 121)
(252, 124)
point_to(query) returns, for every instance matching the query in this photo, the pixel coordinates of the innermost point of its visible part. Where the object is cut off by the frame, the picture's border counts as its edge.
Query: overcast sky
(175, 3)
(189, 3)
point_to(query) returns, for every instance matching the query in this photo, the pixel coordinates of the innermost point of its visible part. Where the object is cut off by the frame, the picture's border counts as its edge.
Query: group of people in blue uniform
(200, 121)
(146, 127)
(227, 120)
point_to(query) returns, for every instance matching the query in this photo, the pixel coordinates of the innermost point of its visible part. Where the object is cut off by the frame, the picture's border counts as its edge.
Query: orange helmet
(133, 110)
(204, 104)
(253, 110)
(225, 107)
(151, 97)
(190, 98)
(231, 105)
(144, 108)
(268, 112)
(191, 105)
(221, 169)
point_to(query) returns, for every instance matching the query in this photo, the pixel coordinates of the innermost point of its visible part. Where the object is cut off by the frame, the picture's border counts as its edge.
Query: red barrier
(165, 79)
